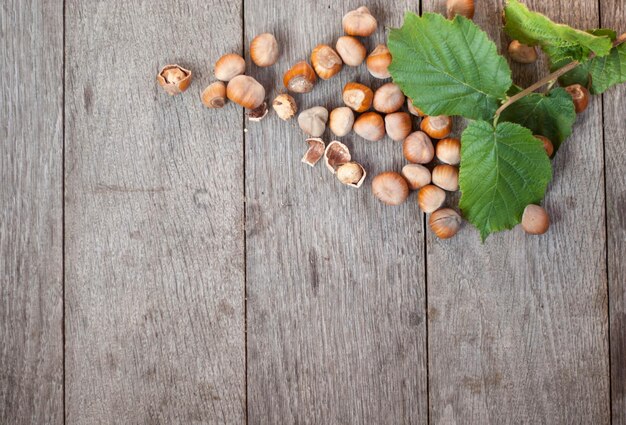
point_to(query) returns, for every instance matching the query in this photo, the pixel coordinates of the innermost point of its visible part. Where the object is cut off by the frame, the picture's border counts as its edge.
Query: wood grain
(518, 326)
(336, 330)
(613, 15)
(31, 196)
(154, 218)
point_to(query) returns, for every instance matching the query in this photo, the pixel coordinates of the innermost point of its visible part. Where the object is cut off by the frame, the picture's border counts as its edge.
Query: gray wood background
(162, 263)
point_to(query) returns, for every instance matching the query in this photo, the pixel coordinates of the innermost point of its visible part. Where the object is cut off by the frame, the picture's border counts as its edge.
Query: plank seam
(245, 222)
(63, 61)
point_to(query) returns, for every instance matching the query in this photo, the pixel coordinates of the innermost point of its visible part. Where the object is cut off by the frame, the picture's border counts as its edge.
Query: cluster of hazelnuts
(390, 187)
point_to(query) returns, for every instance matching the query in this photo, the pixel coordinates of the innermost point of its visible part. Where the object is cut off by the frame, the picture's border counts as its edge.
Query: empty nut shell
(370, 126)
(398, 125)
(413, 109)
(378, 61)
(535, 220)
(313, 120)
(437, 127)
(446, 177)
(174, 79)
(245, 91)
(300, 78)
(229, 66)
(285, 106)
(445, 223)
(315, 151)
(341, 121)
(416, 175)
(390, 188)
(522, 53)
(264, 50)
(418, 148)
(351, 50)
(214, 96)
(351, 174)
(336, 154)
(547, 144)
(430, 197)
(449, 151)
(258, 113)
(388, 98)
(359, 22)
(326, 62)
(357, 96)
(460, 7)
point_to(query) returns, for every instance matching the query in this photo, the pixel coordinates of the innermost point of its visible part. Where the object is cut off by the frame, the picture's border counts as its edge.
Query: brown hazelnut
(437, 127)
(388, 98)
(264, 50)
(580, 97)
(326, 62)
(522, 53)
(460, 7)
(535, 220)
(341, 121)
(300, 78)
(229, 66)
(245, 91)
(446, 177)
(398, 125)
(547, 144)
(370, 126)
(390, 188)
(351, 50)
(448, 151)
(418, 148)
(351, 174)
(416, 175)
(174, 79)
(414, 109)
(359, 22)
(430, 197)
(378, 61)
(313, 120)
(214, 96)
(445, 223)
(357, 96)
(285, 106)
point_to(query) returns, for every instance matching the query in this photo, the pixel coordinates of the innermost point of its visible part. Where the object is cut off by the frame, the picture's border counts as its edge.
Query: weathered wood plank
(518, 326)
(154, 218)
(336, 330)
(31, 196)
(613, 15)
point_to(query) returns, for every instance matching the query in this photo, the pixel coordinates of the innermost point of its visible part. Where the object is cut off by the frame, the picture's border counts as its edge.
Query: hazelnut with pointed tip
(229, 66)
(388, 98)
(445, 223)
(313, 120)
(341, 121)
(430, 197)
(370, 126)
(326, 62)
(378, 61)
(446, 177)
(264, 50)
(418, 148)
(351, 50)
(535, 220)
(416, 175)
(398, 125)
(245, 91)
(359, 22)
(390, 188)
(448, 151)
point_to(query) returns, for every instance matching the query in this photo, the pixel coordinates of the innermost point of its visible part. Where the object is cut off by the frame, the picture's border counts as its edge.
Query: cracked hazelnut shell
(174, 79)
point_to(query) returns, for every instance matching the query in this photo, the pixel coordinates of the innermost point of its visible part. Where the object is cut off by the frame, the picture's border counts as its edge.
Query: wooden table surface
(163, 263)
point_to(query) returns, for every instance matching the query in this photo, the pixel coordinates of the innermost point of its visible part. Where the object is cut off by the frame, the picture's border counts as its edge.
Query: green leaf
(448, 67)
(550, 115)
(604, 32)
(503, 169)
(600, 73)
(558, 41)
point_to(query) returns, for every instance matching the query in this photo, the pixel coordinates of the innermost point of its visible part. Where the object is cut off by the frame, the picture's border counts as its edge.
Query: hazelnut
(326, 62)
(174, 79)
(390, 188)
(351, 50)
(398, 125)
(341, 121)
(258, 113)
(446, 177)
(388, 98)
(357, 96)
(418, 148)
(580, 97)
(245, 91)
(378, 61)
(336, 154)
(214, 96)
(359, 22)
(413, 109)
(416, 175)
(313, 120)
(437, 127)
(229, 66)
(264, 50)
(535, 220)
(351, 174)
(430, 197)
(300, 78)
(460, 7)
(522, 53)
(449, 151)
(370, 126)
(547, 144)
(285, 106)
(445, 223)
(315, 151)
